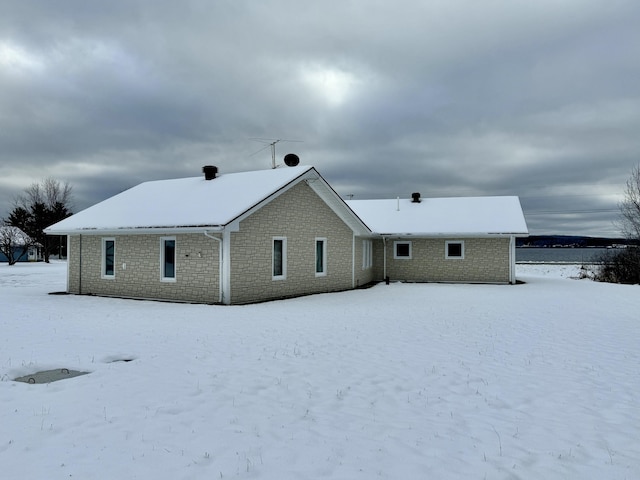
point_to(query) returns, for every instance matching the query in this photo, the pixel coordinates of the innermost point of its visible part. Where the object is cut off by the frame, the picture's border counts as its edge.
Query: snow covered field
(406, 381)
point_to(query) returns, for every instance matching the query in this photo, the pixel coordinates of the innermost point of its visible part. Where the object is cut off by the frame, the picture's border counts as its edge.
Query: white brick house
(254, 236)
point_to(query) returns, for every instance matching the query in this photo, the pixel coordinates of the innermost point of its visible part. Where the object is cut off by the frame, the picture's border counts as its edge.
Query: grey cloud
(537, 99)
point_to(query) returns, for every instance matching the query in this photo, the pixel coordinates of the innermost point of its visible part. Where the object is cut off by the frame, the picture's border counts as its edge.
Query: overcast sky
(539, 99)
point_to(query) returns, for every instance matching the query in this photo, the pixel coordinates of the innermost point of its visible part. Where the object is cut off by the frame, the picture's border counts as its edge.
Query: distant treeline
(571, 241)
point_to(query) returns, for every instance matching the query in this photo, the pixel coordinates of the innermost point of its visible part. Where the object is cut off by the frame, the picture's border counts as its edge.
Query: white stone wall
(486, 260)
(138, 268)
(300, 216)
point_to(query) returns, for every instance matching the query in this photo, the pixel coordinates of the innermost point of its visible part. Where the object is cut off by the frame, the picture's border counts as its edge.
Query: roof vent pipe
(415, 198)
(210, 172)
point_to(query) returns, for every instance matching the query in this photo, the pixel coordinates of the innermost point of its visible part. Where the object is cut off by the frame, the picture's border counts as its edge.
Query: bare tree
(623, 265)
(41, 205)
(49, 192)
(14, 243)
(630, 206)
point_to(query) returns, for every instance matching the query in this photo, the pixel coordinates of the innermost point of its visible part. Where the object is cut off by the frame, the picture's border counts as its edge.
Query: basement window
(402, 250)
(454, 249)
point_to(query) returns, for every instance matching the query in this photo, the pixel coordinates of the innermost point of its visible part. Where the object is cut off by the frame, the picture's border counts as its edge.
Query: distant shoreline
(568, 255)
(572, 246)
(572, 241)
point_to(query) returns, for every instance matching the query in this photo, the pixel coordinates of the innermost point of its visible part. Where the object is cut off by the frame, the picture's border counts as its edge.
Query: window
(108, 257)
(321, 257)
(402, 250)
(454, 249)
(279, 271)
(367, 254)
(168, 258)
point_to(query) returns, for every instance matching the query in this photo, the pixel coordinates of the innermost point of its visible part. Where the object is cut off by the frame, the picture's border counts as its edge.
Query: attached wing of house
(458, 239)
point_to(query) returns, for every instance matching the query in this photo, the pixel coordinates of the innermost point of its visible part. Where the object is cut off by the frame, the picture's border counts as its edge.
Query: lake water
(558, 255)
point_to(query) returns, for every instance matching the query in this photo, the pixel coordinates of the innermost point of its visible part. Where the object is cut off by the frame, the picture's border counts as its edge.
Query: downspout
(353, 261)
(512, 260)
(220, 270)
(79, 266)
(68, 264)
(384, 258)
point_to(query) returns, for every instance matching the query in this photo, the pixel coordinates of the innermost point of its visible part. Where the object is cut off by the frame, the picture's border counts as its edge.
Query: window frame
(283, 258)
(163, 259)
(397, 243)
(454, 242)
(367, 254)
(103, 265)
(323, 272)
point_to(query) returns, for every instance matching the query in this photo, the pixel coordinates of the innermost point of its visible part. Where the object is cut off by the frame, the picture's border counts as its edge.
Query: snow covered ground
(406, 381)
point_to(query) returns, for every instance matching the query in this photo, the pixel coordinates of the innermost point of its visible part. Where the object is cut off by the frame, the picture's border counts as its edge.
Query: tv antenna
(271, 142)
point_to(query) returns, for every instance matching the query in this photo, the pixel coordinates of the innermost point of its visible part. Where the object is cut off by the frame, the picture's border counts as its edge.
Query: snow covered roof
(184, 203)
(188, 203)
(456, 216)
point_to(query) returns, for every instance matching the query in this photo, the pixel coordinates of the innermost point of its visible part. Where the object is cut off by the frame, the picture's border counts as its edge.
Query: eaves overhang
(326, 192)
(452, 234)
(139, 230)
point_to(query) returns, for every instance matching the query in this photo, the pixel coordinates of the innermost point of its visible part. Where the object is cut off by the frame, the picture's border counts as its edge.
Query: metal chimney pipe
(210, 172)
